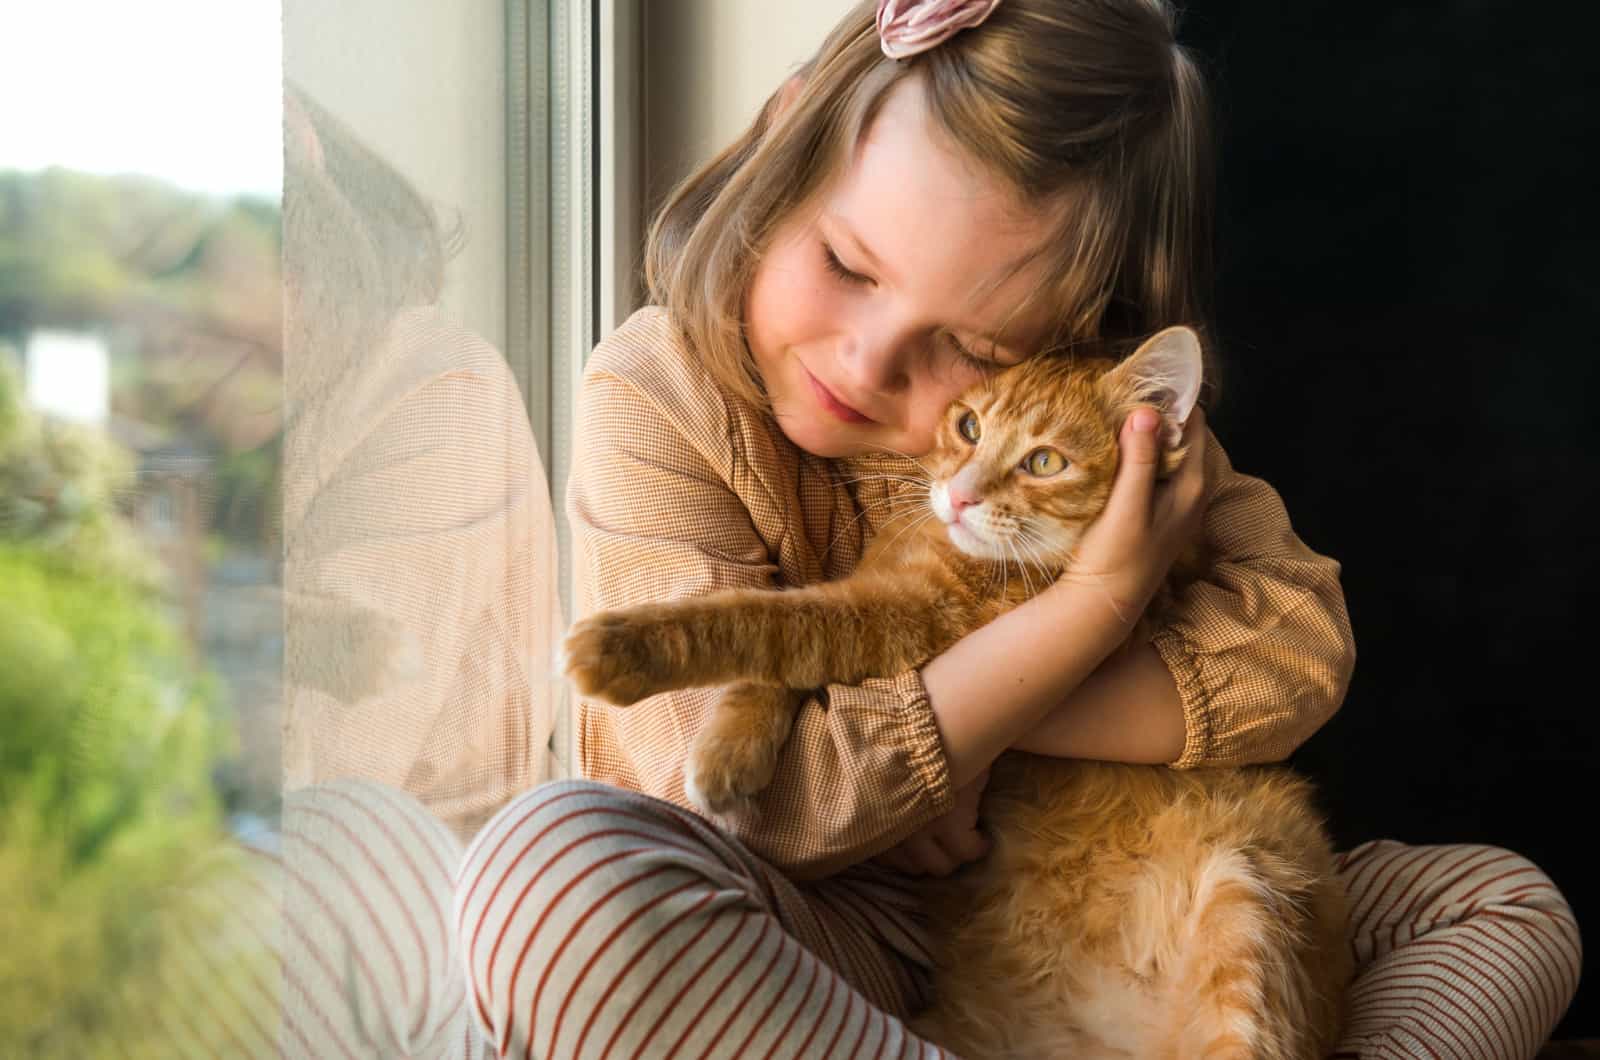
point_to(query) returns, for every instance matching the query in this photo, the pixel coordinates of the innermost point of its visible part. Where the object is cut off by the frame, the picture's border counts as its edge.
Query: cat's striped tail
(1246, 983)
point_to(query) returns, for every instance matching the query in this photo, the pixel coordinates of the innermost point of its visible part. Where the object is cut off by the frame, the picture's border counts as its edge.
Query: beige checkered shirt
(679, 488)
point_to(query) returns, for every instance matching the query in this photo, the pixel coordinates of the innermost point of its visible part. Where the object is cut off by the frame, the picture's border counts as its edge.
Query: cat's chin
(969, 543)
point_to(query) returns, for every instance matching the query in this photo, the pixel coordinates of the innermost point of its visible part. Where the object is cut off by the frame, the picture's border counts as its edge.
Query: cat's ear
(1165, 371)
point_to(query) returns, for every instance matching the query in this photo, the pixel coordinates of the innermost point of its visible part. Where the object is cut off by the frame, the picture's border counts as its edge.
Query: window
(275, 472)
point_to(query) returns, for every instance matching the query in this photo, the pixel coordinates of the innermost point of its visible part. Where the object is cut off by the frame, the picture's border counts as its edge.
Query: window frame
(573, 223)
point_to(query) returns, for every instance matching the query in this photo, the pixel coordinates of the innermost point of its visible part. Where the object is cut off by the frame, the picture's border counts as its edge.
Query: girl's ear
(1165, 372)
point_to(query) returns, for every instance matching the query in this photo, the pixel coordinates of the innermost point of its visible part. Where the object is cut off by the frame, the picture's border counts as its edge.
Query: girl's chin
(829, 440)
(826, 443)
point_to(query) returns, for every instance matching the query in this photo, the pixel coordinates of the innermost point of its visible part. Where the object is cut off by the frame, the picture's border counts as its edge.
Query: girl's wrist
(1090, 610)
(997, 683)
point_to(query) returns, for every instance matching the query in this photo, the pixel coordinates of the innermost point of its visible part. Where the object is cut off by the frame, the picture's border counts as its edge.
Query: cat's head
(1024, 461)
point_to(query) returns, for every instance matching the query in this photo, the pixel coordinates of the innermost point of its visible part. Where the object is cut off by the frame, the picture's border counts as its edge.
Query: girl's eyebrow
(873, 262)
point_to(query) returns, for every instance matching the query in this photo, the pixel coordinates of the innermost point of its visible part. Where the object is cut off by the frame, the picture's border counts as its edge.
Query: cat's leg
(837, 632)
(735, 753)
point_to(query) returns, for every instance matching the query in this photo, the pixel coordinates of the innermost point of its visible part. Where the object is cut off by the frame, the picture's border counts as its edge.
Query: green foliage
(108, 734)
(75, 248)
(183, 287)
(113, 857)
(105, 799)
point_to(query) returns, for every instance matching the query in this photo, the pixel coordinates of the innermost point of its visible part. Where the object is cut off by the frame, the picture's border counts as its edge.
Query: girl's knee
(567, 870)
(560, 841)
(1515, 891)
(550, 813)
(1504, 880)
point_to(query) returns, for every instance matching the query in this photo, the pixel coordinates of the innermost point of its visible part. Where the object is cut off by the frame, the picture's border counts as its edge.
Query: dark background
(1406, 292)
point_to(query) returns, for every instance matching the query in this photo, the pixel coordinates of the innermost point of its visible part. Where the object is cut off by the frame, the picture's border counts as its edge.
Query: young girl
(946, 188)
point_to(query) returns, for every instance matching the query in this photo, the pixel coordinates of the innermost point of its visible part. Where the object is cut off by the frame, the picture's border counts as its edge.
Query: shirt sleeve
(653, 519)
(1260, 647)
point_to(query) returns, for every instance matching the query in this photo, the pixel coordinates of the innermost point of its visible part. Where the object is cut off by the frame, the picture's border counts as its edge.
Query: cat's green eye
(1043, 462)
(968, 426)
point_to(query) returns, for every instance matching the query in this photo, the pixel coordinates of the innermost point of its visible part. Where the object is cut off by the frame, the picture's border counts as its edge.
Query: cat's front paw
(618, 657)
(730, 762)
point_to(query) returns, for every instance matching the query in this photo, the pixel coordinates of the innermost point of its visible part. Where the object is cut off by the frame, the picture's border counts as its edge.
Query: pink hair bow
(907, 27)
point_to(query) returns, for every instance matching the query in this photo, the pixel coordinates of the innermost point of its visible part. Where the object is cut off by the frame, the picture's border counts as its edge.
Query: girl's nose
(877, 362)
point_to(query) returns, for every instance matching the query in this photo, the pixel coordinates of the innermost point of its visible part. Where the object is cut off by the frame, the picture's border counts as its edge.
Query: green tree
(107, 739)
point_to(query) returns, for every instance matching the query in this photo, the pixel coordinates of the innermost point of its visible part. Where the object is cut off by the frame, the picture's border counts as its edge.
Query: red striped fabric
(596, 922)
(1465, 953)
(642, 930)
(677, 941)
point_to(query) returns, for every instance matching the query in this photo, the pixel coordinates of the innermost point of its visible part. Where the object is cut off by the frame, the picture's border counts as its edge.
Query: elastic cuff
(1179, 659)
(927, 760)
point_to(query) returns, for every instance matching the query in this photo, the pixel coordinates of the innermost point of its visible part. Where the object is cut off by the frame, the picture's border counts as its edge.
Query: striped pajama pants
(602, 923)
(586, 921)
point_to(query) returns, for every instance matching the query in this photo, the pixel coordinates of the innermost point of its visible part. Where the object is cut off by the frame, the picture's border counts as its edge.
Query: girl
(945, 188)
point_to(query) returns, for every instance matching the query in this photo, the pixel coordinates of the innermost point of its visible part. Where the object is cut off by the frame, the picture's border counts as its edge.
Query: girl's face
(871, 311)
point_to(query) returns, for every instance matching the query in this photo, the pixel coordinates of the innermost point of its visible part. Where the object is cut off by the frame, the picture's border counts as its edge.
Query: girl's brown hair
(1090, 109)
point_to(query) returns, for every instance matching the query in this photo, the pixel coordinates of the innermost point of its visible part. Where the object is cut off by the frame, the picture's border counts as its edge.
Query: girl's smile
(828, 401)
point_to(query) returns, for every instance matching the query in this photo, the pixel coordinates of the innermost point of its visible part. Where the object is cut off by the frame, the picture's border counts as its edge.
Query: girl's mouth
(838, 408)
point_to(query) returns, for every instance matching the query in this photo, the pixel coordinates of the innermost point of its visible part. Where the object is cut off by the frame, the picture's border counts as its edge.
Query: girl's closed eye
(839, 269)
(970, 359)
(849, 276)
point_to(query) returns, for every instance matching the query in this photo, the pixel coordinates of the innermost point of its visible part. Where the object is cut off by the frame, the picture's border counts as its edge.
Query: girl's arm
(1254, 658)
(1128, 710)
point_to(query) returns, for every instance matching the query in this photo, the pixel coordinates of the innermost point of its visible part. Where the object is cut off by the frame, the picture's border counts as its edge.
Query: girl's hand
(1130, 548)
(945, 844)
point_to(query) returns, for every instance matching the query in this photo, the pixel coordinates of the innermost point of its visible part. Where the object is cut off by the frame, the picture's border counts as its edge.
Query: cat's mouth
(972, 541)
(966, 540)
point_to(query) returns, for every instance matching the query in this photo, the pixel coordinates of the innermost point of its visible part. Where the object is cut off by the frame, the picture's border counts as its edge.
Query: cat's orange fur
(1123, 911)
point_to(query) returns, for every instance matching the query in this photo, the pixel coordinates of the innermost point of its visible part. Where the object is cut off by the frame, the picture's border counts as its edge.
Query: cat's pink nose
(959, 500)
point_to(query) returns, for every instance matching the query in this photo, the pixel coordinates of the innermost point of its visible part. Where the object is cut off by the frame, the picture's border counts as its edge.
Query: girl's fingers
(1182, 498)
(960, 847)
(1136, 470)
(1179, 495)
(1191, 478)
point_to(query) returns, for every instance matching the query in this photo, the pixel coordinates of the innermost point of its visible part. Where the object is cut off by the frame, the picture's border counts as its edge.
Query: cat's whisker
(1036, 545)
(897, 452)
(1021, 570)
(1025, 554)
(910, 504)
(1027, 582)
(994, 573)
(875, 476)
(912, 526)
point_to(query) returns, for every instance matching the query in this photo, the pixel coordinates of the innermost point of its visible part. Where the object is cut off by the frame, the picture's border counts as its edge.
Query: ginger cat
(1123, 911)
